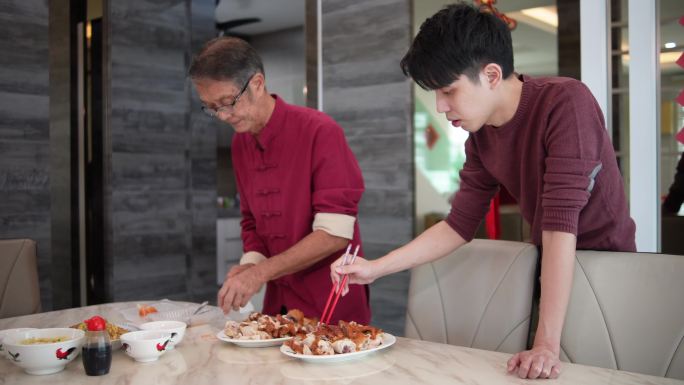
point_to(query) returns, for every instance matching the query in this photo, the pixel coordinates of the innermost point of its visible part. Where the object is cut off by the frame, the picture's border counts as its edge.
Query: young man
(299, 186)
(543, 139)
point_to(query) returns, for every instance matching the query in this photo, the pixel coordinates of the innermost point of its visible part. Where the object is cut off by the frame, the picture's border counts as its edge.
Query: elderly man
(299, 186)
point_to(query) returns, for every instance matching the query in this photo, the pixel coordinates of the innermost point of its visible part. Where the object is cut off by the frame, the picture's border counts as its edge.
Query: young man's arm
(574, 142)
(434, 243)
(558, 264)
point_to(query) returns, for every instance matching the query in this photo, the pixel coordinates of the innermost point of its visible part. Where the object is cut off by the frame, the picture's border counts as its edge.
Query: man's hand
(540, 362)
(240, 285)
(237, 269)
(361, 272)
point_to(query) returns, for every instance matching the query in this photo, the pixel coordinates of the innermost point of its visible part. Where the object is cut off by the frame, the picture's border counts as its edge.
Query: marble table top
(202, 359)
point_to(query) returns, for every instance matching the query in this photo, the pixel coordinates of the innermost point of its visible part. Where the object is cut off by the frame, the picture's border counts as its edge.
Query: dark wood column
(64, 114)
(569, 56)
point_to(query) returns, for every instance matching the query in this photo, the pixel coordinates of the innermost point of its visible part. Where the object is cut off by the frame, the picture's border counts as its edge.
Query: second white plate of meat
(387, 341)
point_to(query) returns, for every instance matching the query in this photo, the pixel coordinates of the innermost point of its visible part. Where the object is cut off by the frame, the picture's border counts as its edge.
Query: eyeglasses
(227, 108)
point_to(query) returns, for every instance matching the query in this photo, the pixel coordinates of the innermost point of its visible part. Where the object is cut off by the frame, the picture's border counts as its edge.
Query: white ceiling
(274, 15)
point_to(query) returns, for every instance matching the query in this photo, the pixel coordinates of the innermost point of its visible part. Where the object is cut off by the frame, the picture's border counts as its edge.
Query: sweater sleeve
(471, 202)
(573, 141)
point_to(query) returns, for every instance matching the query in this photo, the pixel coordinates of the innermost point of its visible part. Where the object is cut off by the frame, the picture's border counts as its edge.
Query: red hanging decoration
(431, 136)
(493, 218)
(488, 6)
(680, 98)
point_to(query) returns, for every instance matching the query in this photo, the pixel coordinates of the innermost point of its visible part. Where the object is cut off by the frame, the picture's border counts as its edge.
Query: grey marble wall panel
(24, 10)
(24, 116)
(142, 32)
(146, 121)
(163, 58)
(163, 151)
(385, 228)
(132, 287)
(27, 78)
(151, 217)
(205, 137)
(149, 269)
(157, 13)
(380, 151)
(203, 205)
(24, 154)
(139, 244)
(148, 143)
(150, 172)
(366, 123)
(204, 173)
(388, 301)
(365, 91)
(23, 178)
(128, 96)
(150, 212)
(16, 201)
(374, 203)
(150, 77)
(24, 130)
(391, 177)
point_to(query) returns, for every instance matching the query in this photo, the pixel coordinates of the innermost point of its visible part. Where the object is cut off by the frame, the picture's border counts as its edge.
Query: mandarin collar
(273, 126)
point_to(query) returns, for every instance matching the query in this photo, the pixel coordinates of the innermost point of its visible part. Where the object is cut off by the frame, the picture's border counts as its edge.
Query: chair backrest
(626, 312)
(480, 296)
(19, 289)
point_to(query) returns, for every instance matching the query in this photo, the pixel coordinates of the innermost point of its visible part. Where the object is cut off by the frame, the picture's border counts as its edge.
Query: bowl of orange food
(43, 351)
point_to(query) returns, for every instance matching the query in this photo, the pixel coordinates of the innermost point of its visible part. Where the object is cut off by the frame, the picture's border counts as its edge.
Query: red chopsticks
(337, 289)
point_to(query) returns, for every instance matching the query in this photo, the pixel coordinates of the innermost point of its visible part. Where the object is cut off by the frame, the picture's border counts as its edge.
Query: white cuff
(252, 257)
(339, 225)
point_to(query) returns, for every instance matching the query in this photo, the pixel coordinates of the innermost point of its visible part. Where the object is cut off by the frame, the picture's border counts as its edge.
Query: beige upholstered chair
(479, 296)
(627, 312)
(19, 290)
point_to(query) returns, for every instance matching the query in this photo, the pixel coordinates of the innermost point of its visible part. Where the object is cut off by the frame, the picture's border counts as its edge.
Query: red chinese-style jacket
(298, 166)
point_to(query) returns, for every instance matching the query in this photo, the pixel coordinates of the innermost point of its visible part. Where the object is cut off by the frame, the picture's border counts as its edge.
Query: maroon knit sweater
(554, 156)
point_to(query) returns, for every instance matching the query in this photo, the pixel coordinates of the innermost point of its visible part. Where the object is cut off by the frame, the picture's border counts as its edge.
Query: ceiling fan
(225, 26)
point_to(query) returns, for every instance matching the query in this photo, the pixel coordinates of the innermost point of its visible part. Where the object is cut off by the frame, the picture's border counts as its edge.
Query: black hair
(459, 39)
(226, 58)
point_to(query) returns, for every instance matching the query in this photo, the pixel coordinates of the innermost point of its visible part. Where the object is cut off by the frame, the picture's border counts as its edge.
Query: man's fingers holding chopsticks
(334, 277)
(360, 272)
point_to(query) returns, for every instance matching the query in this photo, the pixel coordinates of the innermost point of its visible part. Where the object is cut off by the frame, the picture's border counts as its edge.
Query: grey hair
(226, 58)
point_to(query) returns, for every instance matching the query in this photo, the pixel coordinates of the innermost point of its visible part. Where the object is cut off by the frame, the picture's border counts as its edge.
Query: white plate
(252, 343)
(387, 341)
(131, 313)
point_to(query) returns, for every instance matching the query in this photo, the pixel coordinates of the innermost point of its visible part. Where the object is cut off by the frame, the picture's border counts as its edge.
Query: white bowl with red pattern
(43, 358)
(146, 345)
(176, 328)
(3, 333)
